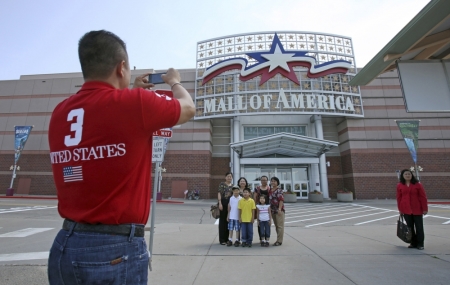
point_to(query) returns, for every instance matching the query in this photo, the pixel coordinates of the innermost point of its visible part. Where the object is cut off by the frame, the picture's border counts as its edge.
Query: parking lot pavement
(356, 214)
(328, 243)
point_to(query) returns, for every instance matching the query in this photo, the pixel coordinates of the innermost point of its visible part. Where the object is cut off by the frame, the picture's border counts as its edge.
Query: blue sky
(40, 37)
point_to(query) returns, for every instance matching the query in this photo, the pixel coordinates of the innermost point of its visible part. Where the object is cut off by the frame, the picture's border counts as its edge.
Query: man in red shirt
(100, 148)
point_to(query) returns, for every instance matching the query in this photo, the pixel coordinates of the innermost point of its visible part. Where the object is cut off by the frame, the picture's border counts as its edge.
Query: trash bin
(10, 192)
(158, 196)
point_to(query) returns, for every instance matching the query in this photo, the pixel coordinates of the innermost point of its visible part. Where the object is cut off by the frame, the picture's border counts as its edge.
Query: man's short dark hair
(99, 53)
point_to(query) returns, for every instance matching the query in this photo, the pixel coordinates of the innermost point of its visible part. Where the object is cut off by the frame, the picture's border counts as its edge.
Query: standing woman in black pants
(223, 197)
(261, 190)
(413, 205)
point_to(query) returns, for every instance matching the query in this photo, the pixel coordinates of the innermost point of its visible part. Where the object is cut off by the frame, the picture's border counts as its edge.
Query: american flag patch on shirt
(72, 173)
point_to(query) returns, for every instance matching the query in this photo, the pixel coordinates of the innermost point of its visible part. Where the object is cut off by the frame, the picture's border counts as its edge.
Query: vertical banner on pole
(21, 136)
(410, 133)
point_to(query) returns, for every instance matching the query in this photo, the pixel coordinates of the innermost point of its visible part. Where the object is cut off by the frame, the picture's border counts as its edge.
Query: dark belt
(124, 230)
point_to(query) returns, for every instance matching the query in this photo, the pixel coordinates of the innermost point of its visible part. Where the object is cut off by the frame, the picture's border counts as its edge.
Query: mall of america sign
(278, 73)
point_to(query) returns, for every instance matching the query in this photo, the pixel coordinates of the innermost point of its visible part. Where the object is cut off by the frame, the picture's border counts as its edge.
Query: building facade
(264, 107)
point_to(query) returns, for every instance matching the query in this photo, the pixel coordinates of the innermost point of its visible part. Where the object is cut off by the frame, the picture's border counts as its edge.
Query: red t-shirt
(101, 149)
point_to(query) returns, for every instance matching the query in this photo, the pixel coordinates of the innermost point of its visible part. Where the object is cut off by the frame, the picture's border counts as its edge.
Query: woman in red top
(412, 204)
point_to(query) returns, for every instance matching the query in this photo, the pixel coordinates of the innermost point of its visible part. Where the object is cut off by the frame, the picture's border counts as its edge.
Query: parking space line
(445, 218)
(25, 232)
(375, 220)
(319, 209)
(320, 213)
(327, 216)
(22, 209)
(365, 206)
(24, 256)
(440, 206)
(345, 219)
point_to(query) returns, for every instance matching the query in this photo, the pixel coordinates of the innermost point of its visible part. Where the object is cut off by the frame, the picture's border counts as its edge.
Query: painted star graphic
(278, 60)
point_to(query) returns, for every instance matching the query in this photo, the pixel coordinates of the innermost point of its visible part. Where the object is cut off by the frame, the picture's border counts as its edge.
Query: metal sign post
(152, 209)
(159, 148)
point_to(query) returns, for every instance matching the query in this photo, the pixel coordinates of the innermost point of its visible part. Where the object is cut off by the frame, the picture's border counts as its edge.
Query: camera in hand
(155, 78)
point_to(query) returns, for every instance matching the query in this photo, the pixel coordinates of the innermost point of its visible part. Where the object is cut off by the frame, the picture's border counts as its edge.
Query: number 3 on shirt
(76, 127)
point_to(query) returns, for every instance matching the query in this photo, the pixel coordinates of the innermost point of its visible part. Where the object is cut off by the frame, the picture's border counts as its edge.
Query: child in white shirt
(233, 217)
(264, 220)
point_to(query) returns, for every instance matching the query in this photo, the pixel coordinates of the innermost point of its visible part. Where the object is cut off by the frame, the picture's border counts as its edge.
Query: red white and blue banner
(21, 136)
(276, 72)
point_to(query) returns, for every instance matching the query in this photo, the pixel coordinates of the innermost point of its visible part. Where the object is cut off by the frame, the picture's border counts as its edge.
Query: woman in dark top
(261, 190)
(242, 183)
(276, 199)
(223, 197)
(413, 205)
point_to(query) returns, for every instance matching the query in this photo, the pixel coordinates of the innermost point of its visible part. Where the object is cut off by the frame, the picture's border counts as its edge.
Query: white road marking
(440, 206)
(375, 220)
(345, 219)
(445, 218)
(319, 209)
(318, 213)
(446, 223)
(24, 256)
(23, 209)
(25, 232)
(327, 216)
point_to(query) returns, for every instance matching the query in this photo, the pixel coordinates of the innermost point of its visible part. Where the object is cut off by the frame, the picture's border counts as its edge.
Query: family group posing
(239, 208)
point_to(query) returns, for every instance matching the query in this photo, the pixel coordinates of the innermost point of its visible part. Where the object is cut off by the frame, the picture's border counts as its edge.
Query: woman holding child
(276, 201)
(223, 196)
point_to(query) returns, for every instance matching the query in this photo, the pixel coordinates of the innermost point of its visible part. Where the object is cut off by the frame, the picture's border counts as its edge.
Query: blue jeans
(94, 258)
(247, 232)
(264, 229)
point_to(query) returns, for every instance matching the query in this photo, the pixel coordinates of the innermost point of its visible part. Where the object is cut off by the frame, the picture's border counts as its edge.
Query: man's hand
(425, 212)
(171, 77)
(142, 82)
(220, 207)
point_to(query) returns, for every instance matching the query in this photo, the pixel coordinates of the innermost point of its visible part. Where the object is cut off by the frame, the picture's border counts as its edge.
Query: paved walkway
(191, 254)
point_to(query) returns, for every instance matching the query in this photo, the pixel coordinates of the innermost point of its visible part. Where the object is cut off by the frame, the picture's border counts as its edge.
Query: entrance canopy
(283, 144)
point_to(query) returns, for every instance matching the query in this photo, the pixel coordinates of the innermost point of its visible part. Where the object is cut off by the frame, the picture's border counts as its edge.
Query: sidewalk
(53, 197)
(191, 254)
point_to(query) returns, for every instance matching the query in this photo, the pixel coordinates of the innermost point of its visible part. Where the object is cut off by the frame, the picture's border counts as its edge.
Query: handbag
(403, 231)
(215, 212)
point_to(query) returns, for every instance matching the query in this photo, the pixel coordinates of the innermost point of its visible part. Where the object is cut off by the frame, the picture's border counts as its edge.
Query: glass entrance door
(301, 182)
(285, 176)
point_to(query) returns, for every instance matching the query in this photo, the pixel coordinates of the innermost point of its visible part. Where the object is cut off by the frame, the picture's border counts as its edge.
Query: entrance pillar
(317, 119)
(236, 160)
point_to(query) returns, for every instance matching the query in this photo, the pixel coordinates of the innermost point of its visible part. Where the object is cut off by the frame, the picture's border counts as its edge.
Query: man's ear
(120, 69)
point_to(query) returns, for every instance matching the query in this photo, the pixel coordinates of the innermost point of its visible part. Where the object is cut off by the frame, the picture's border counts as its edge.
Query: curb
(55, 198)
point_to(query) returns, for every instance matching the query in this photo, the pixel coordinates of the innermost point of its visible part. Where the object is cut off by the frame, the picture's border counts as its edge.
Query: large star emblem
(278, 60)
